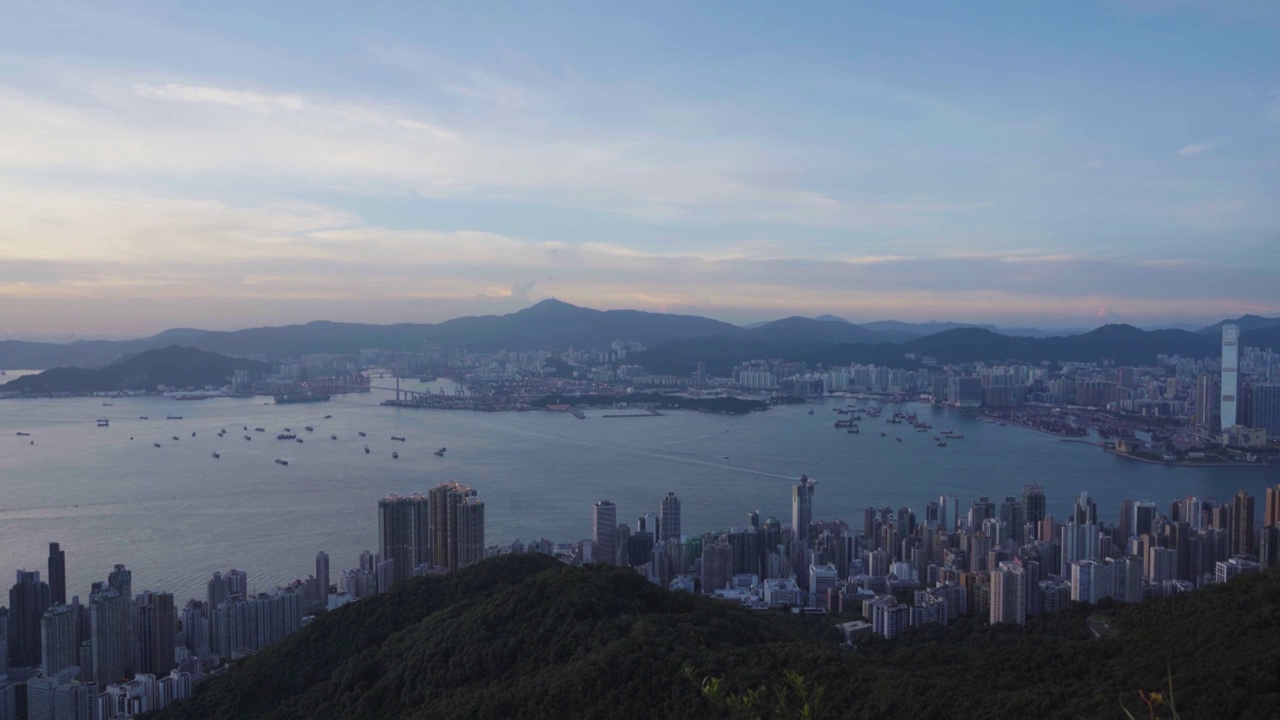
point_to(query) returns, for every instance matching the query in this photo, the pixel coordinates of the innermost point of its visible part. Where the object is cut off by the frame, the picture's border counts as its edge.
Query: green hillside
(524, 637)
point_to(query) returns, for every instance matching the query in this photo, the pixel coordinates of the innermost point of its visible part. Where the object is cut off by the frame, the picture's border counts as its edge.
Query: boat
(361, 433)
(288, 429)
(882, 435)
(248, 437)
(309, 429)
(942, 443)
(333, 437)
(853, 430)
(810, 412)
(173, 417)
(281, 462)
(156, 444)
(440, 452)
(193, 434)
(143, 417)
(216, 456)
(957, 437)
(393, 437)
(298, 440)
(263, 429)
(898, 439)
(23, 434)
(175, 437)
(104, 423)
(294, 398)
(366, 449)
(286, 436)
(328, 417)
(108, 404)
(395, 456)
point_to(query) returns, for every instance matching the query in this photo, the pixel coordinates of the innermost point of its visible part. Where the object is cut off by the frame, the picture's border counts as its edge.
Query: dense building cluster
(1004, 560)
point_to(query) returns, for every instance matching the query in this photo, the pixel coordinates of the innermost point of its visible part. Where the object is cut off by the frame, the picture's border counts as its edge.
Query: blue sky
(231, 164)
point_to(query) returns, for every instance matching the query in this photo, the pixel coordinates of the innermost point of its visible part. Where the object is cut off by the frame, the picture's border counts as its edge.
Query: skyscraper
(28, 599)
(1086, 510)
(1242, 537)
(1266, 409)
(453, 531)
(802, 507)
(403, 534)
(1230, 379)
(157, 632)
(57, 575)
(1208, 402)
(604, 532)
(1008, 594)
(1271, 514)
(107, 608)
(669, 524)
(59, 639)
(121, 580)
(322, 573)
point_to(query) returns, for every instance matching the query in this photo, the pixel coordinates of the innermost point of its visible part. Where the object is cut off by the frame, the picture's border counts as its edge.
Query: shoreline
(1183, 463)
(1038, 429)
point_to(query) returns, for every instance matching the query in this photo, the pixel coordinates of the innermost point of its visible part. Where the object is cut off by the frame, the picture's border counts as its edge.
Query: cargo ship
(292, 398)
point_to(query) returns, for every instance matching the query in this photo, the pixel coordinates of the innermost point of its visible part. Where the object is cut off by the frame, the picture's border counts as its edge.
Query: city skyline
(426, 163)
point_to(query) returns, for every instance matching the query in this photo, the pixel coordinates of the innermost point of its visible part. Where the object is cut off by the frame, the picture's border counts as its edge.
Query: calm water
(174, 514)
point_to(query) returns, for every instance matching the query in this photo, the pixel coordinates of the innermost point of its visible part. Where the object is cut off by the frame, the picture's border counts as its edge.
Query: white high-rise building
(1230, 374)
(604, 532)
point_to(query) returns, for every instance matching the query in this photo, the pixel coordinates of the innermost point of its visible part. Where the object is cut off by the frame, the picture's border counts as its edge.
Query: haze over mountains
(674, 340)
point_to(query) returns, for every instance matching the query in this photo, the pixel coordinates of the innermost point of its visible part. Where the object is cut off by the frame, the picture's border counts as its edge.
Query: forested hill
(524, 637)
(172, 367)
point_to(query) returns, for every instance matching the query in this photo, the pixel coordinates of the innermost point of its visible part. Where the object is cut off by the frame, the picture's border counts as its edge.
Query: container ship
(292, 398)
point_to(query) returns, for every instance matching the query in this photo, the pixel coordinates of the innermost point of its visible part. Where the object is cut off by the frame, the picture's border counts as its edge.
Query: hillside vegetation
(524, 637)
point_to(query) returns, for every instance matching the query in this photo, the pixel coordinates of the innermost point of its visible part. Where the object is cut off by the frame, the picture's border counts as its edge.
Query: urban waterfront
(175, 514)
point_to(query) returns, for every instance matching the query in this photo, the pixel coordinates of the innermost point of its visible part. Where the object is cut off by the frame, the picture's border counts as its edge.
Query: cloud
(1193, 150)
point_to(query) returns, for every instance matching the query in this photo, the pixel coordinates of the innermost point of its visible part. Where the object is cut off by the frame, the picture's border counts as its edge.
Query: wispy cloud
(1195, 149)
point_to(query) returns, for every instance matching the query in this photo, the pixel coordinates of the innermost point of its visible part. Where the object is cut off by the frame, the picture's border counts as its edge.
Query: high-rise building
(1271, 513)
(59, 639)
(717, 566)
(111, 654)
(28, 599)
(456, 526)
(1266, 409)
(1230, 373)
(61, 696)
(157, 632)
(1086, 510)
(322, 573)
(802, 507)
(1008, 594)
(669, 524)
(403, 534)
(1144, 514)
(1242, 535)
(121, 579)
(57, 575)
(604, 532)
(1208, 402)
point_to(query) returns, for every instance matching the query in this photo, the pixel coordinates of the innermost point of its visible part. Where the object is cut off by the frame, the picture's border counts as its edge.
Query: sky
(234, 164)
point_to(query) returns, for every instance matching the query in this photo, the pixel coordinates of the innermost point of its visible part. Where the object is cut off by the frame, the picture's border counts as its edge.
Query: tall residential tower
(1230, 374)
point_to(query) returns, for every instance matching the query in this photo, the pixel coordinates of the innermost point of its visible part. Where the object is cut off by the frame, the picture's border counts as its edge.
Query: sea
(174, 514)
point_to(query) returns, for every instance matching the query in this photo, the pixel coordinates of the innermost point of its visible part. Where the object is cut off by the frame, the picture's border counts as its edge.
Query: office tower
(1012, 518)
(1086, 510)
(1242, 539)
(1266, 409)
(1271, 513)
(111, 653)
(980, 510)
(403, 534)
(746, 546)
(604, 532)
(802, 508)
(669, 524)
(1008, 594)
(157, 632)
(931, 515)
(59, 639)
(822, 580)
(322, 573)
(1230, 374)
(1143, 517)
(28, 599)
(1208, 402)
(57, 575)
(457, 526)
(753, 518)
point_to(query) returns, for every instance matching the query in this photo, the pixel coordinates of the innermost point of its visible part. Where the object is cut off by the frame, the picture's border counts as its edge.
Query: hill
(174, 367)
(524, 637)
(1246, 323)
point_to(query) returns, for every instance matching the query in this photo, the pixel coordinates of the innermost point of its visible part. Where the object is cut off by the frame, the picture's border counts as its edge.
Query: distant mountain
(797, 329)
(831, 318)
(174, 367)
(1246, 323)
(522, 636)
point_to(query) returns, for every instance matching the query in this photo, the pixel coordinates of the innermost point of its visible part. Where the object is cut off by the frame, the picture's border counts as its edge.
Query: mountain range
(522, 636)
(673, 339)
(171, 367)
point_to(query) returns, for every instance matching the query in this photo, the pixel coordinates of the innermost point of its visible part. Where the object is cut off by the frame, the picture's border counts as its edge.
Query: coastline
(1184, 464)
